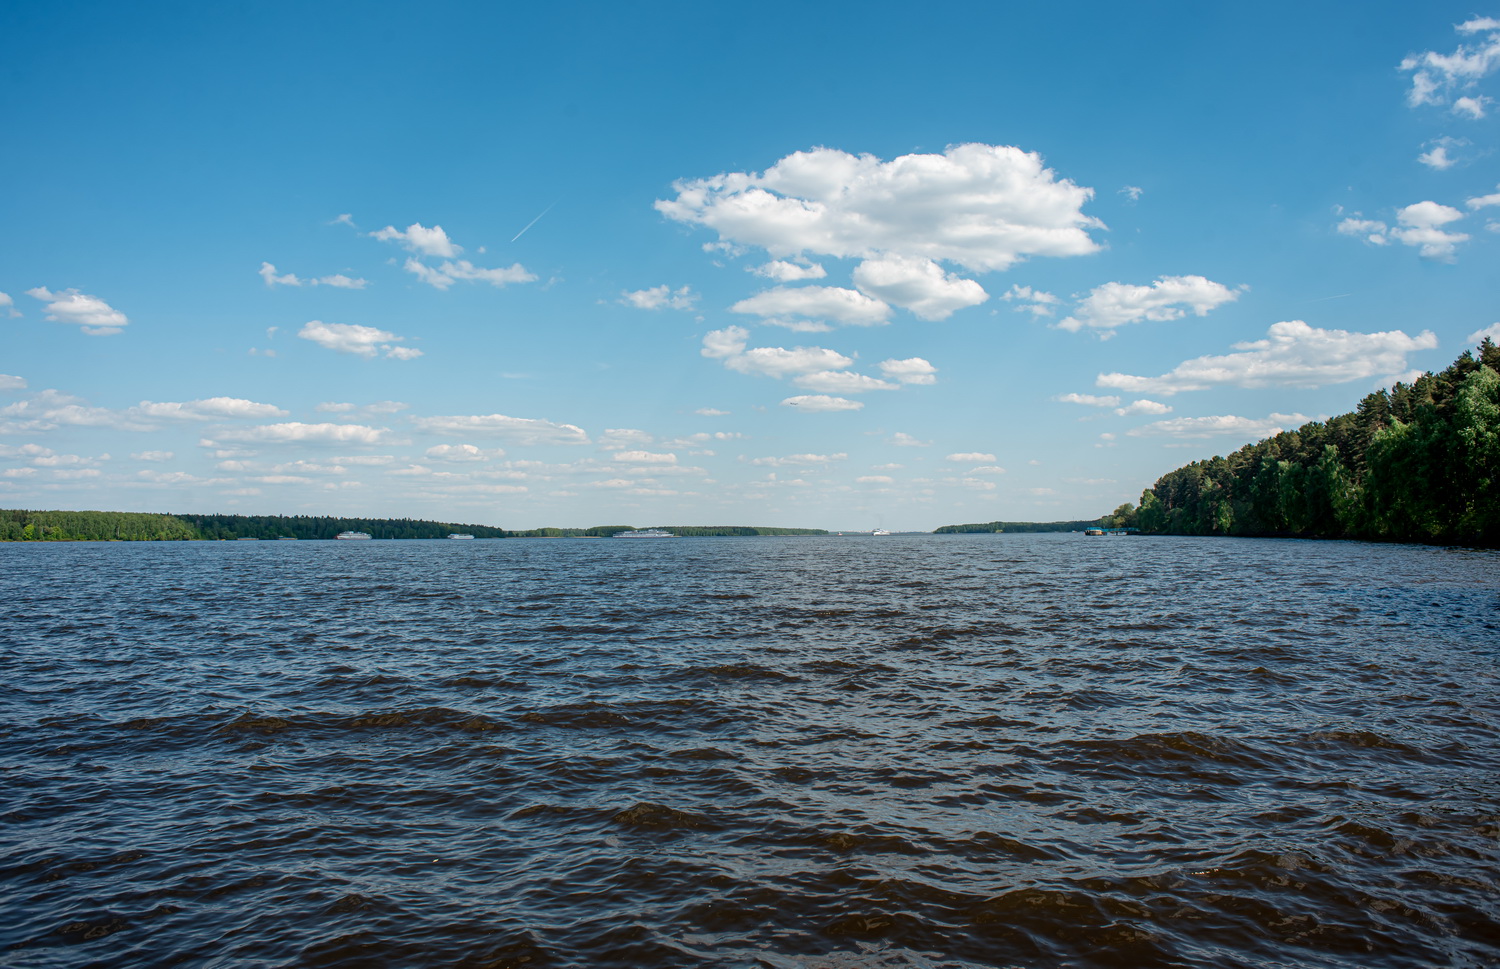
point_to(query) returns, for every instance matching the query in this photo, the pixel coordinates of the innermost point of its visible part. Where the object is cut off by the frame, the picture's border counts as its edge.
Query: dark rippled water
(933, 751)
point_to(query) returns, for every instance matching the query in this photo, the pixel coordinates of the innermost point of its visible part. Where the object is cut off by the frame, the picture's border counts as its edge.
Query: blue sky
(829, 265)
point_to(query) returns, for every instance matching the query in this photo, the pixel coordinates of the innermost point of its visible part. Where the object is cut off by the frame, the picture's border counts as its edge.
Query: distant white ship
(644, 533)
(457, 536)
(879, 531)
(352, 536)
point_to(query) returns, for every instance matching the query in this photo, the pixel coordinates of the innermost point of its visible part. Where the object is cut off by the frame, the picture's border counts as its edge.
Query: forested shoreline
(1417, 463)
(19, 525)
(982, 528)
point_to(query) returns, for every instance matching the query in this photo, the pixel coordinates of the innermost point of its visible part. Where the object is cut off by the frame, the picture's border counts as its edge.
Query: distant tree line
(1417, 463)
(983, 527)
(120, 526)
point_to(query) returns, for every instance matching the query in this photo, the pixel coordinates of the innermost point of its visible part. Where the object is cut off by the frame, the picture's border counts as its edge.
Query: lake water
(925, 751)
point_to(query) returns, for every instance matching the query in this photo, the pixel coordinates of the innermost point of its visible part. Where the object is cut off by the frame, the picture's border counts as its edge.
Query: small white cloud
(1421, 225)
(987, 469)
(645, 457)
(1484, 201)
(919, 285)
(820, 403)
(661, 297)
(711, 412)
(464, 453)
(362, 341)
(971, 457)
(1372, 231)
(621, 438)
(1169, 298)
(1195, 428)
(450, 272)
(8, 306)
(1437, 156)
(834, 303)
(912, 370)
(296, 432)
(903, 439)
(1473, 108)
(1032, 301)
(12, 382)
(728, 345)
(213, 408)
(842, 382)
(883, 479)
(789, 272)
(338, 281)
(96, 317)
(1088, 400)
(152, 456)
(1293, 354)
(1132, 193)
(518, 430)
(1143, 407)
(800, 460)
(1491, 332)
(418, 238)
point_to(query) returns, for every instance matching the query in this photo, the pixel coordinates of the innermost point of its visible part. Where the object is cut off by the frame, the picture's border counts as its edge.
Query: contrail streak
(532, 223)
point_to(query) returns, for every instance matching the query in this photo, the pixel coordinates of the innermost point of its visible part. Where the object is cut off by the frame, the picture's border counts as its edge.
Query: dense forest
(993, 527)
(118, 526)
(1417, 463)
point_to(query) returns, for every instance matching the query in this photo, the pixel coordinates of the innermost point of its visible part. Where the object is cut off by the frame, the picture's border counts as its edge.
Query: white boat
(879, 531)
(352, 536)
(457, 537)
(644, 533)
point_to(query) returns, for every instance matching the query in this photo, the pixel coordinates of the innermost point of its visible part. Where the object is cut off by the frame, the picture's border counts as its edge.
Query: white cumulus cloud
(418, 238)
(1293, 354)
(1226, 425)
(463, 452)
(661, 297)
(518, 430)
(296, 432)
(8, 306)
(979, 206)
(820, 403)
(645, 457)
(917, 284)
(800, 460)
(1033, 301)
(1089, 400)
(842, 382)
(450, 272)
(362, 341)
(815, 303)
(784, 271)
(1491, 332)
(96, 317)
(1436, 78)
(12, 382)
(1143, 407)
(912, 370)
(1169, 298)
(337, 280)
(212, 408)
(971, 457)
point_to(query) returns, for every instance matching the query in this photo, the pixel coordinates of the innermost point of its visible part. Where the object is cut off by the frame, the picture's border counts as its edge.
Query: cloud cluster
(96, 317)
(1033, 301)
(1437, 78)
(821, 403)
(982, 207)
(1198, 428)
(1419, 224)
(661, 297)
(1294, 354)
(337, 280)
(1169, 298)
(296, 432)
(210, 409)
(362, 341)
(518, 430)
(784, 271)
(808, 308)
(434, 243)
(8, 306)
